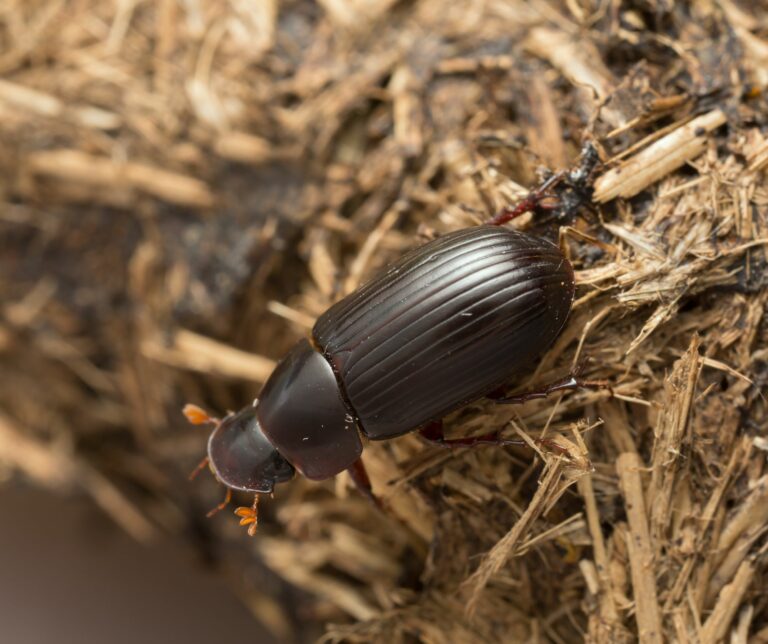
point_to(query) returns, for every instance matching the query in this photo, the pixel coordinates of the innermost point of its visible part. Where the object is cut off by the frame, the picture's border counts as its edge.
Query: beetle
(446, 324)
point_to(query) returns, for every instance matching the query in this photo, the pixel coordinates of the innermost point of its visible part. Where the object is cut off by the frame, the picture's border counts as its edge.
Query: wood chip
(644, 169)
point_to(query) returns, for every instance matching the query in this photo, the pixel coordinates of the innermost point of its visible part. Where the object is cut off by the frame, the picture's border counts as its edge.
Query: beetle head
(243, 458)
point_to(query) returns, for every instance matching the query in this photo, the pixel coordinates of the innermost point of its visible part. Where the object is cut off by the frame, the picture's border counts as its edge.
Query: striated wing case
(447, 323)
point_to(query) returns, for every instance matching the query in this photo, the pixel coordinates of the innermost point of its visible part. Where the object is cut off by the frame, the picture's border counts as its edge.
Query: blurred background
(70, 575)
(186, 184)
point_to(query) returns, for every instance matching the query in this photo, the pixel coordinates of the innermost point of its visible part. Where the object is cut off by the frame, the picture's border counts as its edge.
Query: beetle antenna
(250, 516)
(198, 416)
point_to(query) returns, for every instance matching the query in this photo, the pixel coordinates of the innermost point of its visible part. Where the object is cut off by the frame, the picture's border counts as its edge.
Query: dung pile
(185, 186)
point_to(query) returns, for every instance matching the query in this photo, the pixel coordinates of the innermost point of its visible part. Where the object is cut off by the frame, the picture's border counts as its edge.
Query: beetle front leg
(222, 505)
(199, 468)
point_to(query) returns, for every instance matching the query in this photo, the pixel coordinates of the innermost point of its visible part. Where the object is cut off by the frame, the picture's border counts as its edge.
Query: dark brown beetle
(445, 325)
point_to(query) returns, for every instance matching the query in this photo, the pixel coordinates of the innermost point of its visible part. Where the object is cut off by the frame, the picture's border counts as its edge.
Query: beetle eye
(243, 458)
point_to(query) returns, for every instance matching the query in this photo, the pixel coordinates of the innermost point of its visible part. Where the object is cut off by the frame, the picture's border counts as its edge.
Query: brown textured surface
(186, 185)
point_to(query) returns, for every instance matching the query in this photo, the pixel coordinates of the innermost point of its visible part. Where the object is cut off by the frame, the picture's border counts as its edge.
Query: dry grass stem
(639, 546)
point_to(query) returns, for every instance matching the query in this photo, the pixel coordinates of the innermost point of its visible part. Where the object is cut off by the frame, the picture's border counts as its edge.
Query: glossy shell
(302, 413)
(241, 456)
(446, 324)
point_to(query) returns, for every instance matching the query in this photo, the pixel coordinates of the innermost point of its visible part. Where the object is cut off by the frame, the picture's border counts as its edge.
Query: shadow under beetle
(446, 324)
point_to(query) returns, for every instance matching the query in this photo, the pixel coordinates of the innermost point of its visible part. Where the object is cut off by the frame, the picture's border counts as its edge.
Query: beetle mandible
(446, 324)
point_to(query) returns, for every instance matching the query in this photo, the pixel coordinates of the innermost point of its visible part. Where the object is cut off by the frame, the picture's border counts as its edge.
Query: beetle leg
(198, 468)
(530, 202)
(362, 481)
(565, 384)
(433, 432)
(222, 505)
(250, 516)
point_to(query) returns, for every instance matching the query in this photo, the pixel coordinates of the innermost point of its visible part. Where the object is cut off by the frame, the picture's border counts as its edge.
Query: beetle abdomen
(447, 323)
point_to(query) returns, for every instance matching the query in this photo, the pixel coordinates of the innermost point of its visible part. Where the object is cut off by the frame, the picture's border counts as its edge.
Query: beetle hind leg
(535, 200)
